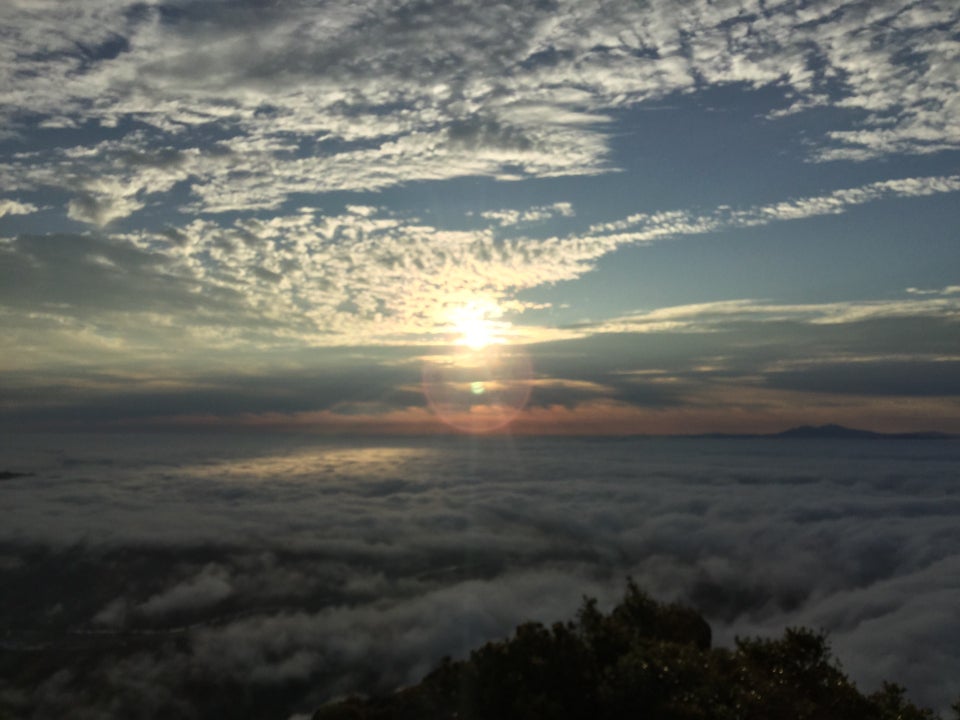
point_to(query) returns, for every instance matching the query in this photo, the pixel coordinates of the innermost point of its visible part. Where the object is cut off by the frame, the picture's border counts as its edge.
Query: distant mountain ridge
(833, 431)
(841, 432)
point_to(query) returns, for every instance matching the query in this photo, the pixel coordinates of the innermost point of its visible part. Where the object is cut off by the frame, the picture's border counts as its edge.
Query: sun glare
(474, 327)
(475, 333)
(484, 382)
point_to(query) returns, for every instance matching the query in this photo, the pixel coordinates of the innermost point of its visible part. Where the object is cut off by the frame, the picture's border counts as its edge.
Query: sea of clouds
(170, 575)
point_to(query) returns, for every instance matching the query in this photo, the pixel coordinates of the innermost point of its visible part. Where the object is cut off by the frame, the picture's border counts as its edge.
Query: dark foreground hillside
(644, 659)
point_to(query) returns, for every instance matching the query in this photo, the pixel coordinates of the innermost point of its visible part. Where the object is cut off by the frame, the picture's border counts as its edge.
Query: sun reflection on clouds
(311, 464)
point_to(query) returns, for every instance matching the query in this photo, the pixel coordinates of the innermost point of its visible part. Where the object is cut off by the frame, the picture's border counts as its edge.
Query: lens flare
(478, 391)
(483, 383)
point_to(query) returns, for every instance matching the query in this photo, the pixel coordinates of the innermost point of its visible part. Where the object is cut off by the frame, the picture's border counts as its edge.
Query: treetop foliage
(643, 659)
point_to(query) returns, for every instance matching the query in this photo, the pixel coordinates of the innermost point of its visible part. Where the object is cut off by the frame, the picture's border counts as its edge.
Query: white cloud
(949, 290)
(508, 218)
(13, 207)
(702, 316)
(504, 92)
(646, 226)
(643, 228)
(107, 180)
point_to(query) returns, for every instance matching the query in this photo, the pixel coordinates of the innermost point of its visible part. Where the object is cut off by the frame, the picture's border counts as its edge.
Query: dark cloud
(159, 158)
(100, 210)
(727, 362)
(916, 334)
(106, 48)
(478, 132)
(206, 589)
(912, 355)
(85, 274)
(586, 388)
(926, 379)
(101, 399)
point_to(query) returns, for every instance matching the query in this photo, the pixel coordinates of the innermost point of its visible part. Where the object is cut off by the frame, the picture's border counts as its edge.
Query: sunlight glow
(476, 325)
(484, 382)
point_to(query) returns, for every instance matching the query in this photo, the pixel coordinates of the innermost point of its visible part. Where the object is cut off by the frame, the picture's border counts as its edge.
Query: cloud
(113, 615)
(13, 207)
(345, 98)
(392, 641)
(506, 218)
(949, 290)
(740, 365)
(646, 227)
(325, 567)
(360, 277)
(701, 316)
(208, 587)
(839, 200)
(106, 180)
(100, 211)
(937, 379)
(243, 173)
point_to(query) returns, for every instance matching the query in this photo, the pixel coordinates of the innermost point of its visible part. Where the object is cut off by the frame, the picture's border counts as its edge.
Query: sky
(530, 217)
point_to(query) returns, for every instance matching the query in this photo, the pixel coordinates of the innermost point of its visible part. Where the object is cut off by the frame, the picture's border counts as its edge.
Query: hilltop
(643, 659)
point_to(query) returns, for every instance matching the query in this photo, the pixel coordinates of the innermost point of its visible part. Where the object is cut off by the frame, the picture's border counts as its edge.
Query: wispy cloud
(645, 227)
(703, 316)
(509, 218)
(949, 290)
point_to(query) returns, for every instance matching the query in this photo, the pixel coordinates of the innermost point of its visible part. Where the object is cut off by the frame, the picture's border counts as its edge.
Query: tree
(642, 659)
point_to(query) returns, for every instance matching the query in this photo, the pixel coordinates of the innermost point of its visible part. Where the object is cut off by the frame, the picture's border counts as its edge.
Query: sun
(475, 333)
(475, 326)
(485, 381)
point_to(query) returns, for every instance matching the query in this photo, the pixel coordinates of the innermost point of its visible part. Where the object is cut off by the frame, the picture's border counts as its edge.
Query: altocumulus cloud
(366, 276)
(505, 91)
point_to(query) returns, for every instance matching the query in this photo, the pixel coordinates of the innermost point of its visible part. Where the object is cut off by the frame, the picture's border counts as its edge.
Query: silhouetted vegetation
(643, 659)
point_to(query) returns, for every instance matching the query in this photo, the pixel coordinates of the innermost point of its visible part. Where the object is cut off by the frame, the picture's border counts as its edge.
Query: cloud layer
(326, 567)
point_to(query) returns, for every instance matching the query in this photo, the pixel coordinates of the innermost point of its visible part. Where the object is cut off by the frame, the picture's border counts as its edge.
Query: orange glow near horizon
(455, 406)
(478, 390)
